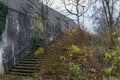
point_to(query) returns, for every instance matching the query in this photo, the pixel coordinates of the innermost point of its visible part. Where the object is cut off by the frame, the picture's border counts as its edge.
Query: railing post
(13, 54)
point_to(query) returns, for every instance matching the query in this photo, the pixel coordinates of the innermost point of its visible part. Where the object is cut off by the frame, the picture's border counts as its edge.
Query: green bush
(74, 69)
(113, 57)
(55, 64)
(108, 70)
(92, 70)
(3, 13)
(83, 78)
(37, 42)
(73, 49)
(70, 58)
(39, 51)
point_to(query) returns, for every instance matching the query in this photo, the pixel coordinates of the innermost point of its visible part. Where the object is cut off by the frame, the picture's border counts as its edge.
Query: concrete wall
(19, 35)
(53, 16)
(20, 24)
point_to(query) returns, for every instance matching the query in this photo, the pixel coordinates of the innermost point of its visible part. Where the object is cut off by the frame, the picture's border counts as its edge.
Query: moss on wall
(3, 13)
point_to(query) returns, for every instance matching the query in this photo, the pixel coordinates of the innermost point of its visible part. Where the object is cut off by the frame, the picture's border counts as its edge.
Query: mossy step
(24, 67)
(33, 59)
(23, 70)
(34, 55)
(28, 65)
(28, 57)
(30, 62)
(21, 74)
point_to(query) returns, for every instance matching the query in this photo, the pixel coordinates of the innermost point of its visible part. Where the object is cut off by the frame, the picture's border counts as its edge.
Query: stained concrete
(20, 26)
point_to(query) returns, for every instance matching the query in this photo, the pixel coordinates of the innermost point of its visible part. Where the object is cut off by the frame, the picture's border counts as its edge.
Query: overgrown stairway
(29, 65)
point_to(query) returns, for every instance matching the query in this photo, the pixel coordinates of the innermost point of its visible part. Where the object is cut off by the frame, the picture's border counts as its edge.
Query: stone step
(24, 67)
(28, 65)
(34, 55)
(31, 59)
(21, 74)
(22, 70)
(30, 62)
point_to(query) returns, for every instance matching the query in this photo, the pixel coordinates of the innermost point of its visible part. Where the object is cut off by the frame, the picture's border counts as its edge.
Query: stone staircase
(29, 65)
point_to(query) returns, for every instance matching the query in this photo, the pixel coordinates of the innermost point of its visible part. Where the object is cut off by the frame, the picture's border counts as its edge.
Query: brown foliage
(72, 36)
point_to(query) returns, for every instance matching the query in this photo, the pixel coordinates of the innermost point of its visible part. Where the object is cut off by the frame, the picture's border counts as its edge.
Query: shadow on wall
(17, 37)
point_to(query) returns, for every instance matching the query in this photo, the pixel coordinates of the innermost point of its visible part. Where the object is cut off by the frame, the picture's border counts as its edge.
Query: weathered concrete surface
(19, 35)
(3, 45)
(20, 26)
(53, 16)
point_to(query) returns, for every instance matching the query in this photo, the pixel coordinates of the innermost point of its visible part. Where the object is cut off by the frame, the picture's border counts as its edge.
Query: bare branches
(109, 20)
(75, 7)
(105, 10)
(70, 11)
(117, 20)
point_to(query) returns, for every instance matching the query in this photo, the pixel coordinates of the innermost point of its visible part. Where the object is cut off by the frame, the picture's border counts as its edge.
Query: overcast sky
(58, 6)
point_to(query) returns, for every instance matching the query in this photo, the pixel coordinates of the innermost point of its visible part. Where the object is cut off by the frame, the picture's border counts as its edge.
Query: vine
(3, 13)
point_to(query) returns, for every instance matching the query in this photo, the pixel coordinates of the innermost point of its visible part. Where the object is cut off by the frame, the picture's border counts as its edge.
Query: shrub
(39, 51)
(111, 61)
(37, 42)
(71, 55)
(83, 78)
(74, 69)
(108, 70)
(92, 70)
(72, 50)
(55, 64)
(73, 38)
(113, 56)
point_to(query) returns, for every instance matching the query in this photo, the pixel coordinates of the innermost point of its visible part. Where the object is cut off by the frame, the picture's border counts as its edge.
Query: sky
(89, 22)
(58, 6)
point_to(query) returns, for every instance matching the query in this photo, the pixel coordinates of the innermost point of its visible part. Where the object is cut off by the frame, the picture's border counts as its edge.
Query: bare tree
(108, 19)
(76, 8)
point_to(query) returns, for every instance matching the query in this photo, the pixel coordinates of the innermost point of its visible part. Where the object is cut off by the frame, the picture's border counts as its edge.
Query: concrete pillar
(1, 62)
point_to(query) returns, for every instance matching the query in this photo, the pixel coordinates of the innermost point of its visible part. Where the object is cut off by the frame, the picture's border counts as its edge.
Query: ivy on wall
(3, 13)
